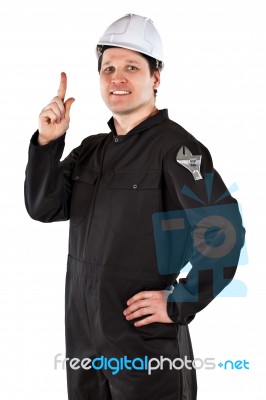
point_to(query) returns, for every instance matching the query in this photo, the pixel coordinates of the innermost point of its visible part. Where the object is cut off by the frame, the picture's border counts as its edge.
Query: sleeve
(47, 186)
(213, 231)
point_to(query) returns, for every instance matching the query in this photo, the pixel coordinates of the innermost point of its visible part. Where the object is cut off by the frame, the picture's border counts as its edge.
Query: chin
(120, 110)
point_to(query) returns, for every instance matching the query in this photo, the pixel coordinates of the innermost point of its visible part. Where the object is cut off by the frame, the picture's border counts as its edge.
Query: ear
(156, 79)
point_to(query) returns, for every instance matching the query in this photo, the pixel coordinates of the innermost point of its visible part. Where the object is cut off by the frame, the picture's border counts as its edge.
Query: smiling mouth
(120, 92)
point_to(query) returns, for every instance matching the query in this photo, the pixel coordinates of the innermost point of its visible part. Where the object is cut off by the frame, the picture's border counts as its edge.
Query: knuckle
(54, 105)
(59, 102)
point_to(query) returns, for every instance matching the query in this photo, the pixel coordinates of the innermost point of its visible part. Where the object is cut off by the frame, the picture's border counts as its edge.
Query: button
(135, 186)
(77, 178)
(116, 140)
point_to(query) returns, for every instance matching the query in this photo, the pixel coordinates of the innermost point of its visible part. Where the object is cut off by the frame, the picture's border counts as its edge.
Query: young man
(125, 194)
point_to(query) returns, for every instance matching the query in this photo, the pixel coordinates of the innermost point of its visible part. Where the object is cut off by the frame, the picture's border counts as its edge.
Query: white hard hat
(135, 33)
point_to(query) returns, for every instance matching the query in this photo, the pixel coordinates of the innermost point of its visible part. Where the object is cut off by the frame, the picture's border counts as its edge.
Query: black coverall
(109, 187)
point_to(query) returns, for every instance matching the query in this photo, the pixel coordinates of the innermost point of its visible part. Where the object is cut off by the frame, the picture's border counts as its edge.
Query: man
(121, 192)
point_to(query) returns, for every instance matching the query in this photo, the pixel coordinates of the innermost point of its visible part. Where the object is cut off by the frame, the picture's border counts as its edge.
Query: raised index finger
(63, 86)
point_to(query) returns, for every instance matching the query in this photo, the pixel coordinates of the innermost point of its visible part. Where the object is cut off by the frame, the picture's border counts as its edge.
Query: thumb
(68, 105)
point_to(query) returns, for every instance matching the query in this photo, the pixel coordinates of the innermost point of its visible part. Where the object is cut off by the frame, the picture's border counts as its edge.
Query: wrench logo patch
(191, 162)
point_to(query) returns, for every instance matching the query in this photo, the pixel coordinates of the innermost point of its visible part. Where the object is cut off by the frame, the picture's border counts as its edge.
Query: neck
(126, 122)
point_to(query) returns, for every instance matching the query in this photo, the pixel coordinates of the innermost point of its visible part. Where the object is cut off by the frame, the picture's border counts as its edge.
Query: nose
(118, 77)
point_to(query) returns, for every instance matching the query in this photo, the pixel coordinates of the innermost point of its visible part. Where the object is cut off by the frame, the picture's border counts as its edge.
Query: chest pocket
(134, 197)
(84, 181)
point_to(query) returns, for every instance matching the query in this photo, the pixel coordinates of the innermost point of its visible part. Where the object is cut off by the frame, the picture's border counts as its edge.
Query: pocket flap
(135, 179)
(85, 175)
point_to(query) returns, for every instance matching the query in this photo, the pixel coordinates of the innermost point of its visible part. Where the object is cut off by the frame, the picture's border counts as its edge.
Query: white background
(213, 85)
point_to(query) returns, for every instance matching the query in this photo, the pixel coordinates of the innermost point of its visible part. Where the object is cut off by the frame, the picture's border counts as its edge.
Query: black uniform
(110, 187)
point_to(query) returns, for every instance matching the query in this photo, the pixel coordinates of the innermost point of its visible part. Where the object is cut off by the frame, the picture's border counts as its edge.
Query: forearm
(46, 188)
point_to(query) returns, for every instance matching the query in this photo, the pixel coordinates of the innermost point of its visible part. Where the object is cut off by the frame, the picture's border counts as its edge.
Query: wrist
(41, 141)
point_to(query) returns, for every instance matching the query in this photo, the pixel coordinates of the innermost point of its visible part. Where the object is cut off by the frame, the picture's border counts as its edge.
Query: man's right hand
(54, 119)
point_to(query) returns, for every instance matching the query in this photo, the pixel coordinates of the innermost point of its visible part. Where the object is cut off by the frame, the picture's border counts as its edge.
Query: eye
(132, 68)
(109, 69)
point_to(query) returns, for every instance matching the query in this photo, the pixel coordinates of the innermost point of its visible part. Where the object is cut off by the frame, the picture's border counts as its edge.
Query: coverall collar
(147, 123)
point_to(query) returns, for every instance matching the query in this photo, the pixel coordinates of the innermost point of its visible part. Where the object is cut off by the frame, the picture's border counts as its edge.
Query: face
(126, 83)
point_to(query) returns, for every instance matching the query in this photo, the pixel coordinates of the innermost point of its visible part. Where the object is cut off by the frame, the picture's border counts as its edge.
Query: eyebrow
(126, 61)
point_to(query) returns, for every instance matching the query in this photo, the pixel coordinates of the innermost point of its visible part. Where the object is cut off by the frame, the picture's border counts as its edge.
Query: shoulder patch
(191, 162)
